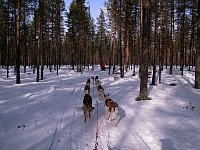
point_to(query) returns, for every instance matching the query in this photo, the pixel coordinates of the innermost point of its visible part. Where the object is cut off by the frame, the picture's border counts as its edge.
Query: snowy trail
(77, 125)
(88, 130)
(64, 127)
(61, 121)
(57, 129)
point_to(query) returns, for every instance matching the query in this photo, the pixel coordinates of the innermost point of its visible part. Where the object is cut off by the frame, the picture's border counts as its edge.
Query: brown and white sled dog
(112, 109)
(87, 106)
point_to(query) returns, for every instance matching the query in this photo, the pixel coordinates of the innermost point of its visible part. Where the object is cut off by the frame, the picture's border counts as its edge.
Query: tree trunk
(42, 39)
(155, 43)
(7, 40)
(111, 50)
(18, 42)
(182, 47)
(161, 43)
(191, 42)
(127, 32)
(144, 51)
(134, 42)
(120, 44)
(58, 36)
(38, 54)
(25, 38)
(171, 35)
(113, 59)
(197, 66)
(38, 41)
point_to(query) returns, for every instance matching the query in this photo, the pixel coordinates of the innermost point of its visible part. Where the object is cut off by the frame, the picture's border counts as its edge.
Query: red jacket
(102, 65)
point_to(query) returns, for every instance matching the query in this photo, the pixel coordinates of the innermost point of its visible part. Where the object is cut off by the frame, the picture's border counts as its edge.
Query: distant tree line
(127, 34)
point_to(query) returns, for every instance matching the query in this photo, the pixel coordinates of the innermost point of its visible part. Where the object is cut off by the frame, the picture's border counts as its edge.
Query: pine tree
(197, 66)
(145, 39)
(171, 38)
(17, 34)
(101, 34)
(155, 43)
(80, 36)
(128, 10)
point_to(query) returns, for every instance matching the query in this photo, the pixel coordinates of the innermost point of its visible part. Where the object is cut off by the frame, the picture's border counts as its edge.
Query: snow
(48, 116)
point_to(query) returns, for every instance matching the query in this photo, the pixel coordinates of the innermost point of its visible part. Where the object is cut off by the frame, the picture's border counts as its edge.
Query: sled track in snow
(54, 140)
(58, 125)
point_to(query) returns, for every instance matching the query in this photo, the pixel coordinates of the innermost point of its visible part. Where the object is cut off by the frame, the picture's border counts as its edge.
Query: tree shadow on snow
(167, 144)
(114, 148)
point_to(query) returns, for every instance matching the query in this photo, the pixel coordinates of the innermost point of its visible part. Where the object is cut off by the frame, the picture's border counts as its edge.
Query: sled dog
(87, 106)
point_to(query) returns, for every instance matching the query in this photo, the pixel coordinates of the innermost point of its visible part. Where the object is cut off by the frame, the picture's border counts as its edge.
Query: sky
(95, 6)
(48, 115)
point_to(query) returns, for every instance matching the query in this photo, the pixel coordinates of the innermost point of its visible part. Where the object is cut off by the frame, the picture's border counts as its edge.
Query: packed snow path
(45, 115)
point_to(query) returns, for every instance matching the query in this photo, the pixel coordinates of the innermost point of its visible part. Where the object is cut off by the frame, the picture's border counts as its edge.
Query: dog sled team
(111, 107)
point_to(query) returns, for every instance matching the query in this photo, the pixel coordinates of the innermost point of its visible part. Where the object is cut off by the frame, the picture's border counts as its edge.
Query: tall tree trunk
(127, 30)
(182, 47)
(134, 42)
(38, 38)
(113, 59)
(81, 39)
(197, 66)
(52, 44)
(42, 39)
(111, 50)
(25, 41)
(7, 40)
(141, 31)
(18, 42)
(35, 41)
(120, 43)
(144, 51)
(192, 40)
(161, 43)
(58, 37)
(38, 53)
(171, 39)
(155, 43)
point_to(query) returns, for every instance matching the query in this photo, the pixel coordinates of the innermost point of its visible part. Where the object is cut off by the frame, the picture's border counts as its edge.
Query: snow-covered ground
(47, 115)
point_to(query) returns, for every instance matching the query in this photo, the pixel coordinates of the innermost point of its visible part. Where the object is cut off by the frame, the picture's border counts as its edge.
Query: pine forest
(127, 34)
